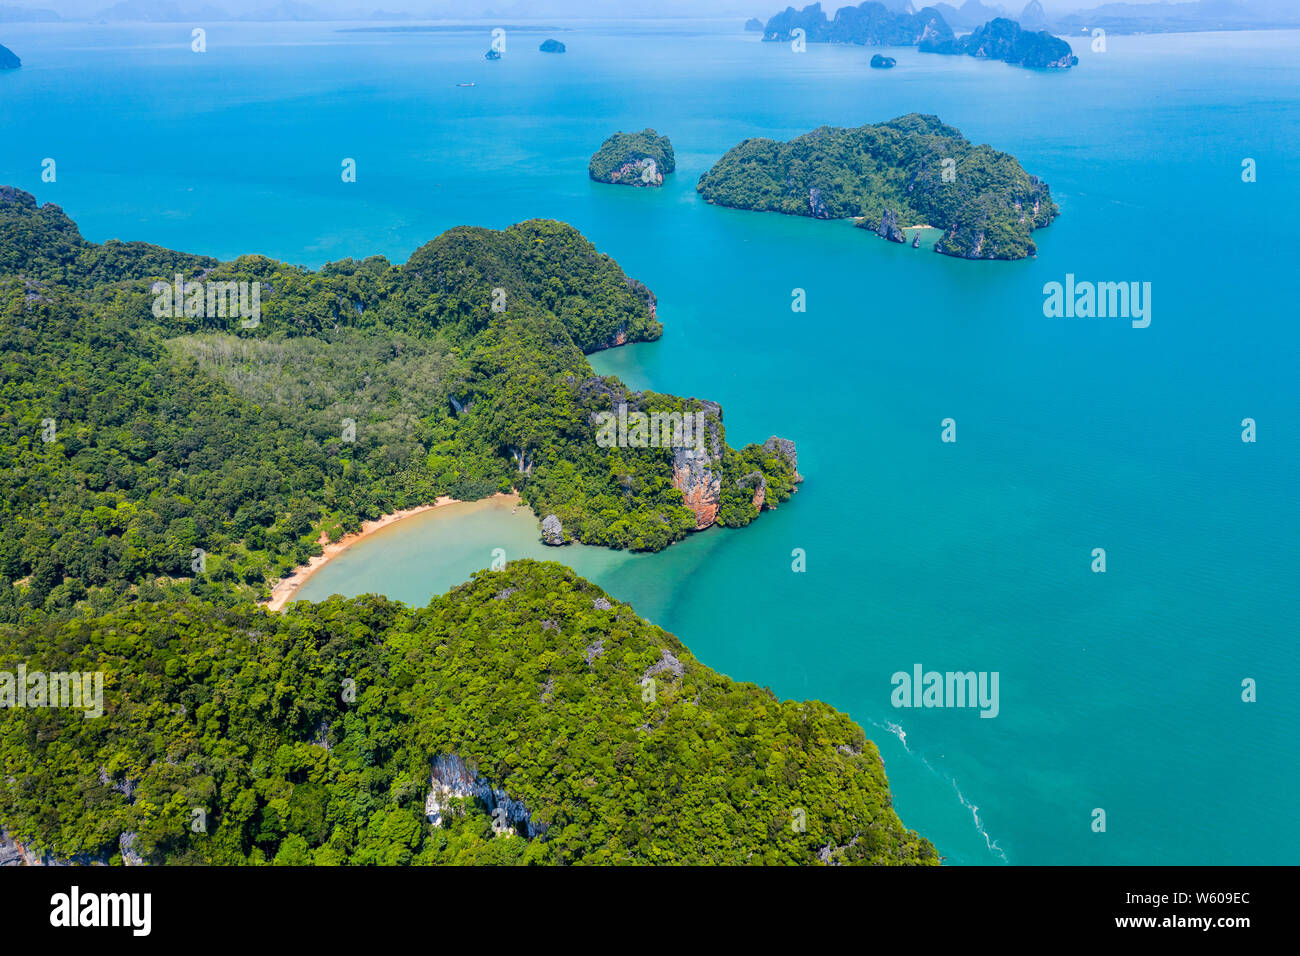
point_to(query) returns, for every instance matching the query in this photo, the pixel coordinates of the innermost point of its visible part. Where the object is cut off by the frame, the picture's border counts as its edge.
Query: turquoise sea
(1119, 691)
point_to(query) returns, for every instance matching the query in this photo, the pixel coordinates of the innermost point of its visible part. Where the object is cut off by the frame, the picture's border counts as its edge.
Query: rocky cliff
(700, 476)
(14, 853)
(451, 779)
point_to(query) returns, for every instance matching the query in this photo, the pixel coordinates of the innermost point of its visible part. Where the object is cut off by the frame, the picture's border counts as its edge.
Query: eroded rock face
(786, 449)
(700, 486)
(452, 779)
(552, 531)
(667, 664)
(817, 205)
(758, 483)
(888, 228)
(638, 172)
(698, 475)
(13, 853)
(126, 845)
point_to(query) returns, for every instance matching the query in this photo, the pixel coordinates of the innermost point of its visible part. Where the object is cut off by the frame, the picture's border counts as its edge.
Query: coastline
(289, 585)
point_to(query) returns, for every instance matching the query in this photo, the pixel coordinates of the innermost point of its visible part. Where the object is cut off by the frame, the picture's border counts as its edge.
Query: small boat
(464, 84)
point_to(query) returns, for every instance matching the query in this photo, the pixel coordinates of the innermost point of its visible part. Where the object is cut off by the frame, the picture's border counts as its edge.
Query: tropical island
(161, 466)
(1003, 39)
(633, 159)
(910, 170)
(873, 24)
(753, 25)
(879, 62)
(552, 46)
(8, 59)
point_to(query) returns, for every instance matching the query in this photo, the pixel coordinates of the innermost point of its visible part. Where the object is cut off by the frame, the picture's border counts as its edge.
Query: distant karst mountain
(24, 15)
(873, 24)
(1182, 17)
(971, 14)
(1033, 17)
(1003, 39)
(870, 24)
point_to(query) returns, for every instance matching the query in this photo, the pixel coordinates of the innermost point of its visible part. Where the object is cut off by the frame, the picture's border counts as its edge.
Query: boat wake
(898, 731)
(979, 824)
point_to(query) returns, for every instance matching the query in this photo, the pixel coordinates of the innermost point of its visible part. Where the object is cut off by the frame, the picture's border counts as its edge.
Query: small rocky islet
(633, 159)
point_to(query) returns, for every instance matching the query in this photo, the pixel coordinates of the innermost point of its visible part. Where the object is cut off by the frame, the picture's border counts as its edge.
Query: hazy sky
(545, 8)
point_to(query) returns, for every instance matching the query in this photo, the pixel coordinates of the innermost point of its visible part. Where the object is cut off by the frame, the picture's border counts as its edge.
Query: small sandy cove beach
(287, 587)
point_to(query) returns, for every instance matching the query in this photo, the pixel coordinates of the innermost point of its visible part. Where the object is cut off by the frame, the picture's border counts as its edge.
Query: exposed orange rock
(701, 489)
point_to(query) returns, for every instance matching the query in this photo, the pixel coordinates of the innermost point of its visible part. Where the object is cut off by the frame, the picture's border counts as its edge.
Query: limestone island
(753, 25)
(1003, 39)
(633, 159)
(492, 55)
(8, 60)
(551, 46)
(910, 170)
(868, 24)
(875, 24)
(879, 62)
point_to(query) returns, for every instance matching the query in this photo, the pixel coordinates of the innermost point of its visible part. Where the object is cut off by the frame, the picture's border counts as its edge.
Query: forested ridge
(530, 675)
(913, 170)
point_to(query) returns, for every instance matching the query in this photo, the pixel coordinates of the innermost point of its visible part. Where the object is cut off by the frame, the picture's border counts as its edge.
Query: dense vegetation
(986, 207)
(1003, 39)
(870, 23)
(633, 159)
(168, 436)
(530, 675)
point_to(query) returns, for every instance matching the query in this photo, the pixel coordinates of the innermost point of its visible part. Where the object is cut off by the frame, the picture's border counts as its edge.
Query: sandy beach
(288, 586)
